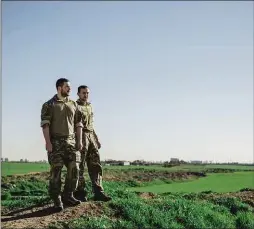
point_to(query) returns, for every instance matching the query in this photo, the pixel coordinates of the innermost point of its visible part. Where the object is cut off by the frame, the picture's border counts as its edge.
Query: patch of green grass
(25, 193)
(31, 187)
(233, 204)
(93, 223)
(221, 182)
(245, 220)
(172, 213)
(14, 168)
(25, 202)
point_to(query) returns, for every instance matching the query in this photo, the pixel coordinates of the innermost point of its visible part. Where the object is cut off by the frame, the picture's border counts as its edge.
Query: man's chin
(66, 95)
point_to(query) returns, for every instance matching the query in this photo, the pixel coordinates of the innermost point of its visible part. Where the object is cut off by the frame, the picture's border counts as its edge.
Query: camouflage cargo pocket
(75, 157)
(55, 159)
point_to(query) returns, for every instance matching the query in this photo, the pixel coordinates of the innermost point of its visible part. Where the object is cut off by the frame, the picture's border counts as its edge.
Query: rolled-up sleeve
(45, 114)
(78, 118)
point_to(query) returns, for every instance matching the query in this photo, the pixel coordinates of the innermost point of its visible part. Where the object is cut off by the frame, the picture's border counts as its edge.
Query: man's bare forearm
(45, 130)
(79, 134)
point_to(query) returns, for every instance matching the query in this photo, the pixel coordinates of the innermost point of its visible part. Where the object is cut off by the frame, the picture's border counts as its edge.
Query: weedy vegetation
(155, 197)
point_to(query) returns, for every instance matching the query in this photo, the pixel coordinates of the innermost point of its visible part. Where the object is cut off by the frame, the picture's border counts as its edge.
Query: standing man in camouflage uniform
(89, 153)
(60, 118)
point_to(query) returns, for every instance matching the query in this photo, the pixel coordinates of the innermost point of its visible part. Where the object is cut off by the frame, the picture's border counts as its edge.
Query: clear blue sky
(167, 79)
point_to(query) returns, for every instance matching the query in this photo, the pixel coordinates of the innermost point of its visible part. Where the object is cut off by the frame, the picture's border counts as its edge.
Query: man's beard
(64, 94)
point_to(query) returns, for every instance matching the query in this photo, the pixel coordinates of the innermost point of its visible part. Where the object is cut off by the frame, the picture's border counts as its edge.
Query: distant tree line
(170, 163)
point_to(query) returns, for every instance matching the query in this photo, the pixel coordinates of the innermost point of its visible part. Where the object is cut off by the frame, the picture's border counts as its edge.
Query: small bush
(246, 189)
(90, 223)
(232, 204)
(245, 220)
(6, 196)
(133, 183)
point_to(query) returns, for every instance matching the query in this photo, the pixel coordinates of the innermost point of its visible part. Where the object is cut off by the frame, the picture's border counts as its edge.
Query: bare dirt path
(41, 217)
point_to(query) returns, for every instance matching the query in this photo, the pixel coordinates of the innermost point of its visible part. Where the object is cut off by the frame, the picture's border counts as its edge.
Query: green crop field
(12, 168)
(222, 182)
(143, 197)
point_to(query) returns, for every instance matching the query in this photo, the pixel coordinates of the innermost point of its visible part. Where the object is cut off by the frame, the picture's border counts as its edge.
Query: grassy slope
(222, 182)
(128, 210)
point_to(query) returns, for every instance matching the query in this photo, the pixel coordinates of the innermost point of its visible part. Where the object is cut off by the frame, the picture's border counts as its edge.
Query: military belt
(63, 136)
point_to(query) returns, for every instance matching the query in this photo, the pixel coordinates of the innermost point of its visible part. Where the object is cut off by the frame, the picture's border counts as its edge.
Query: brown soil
(147, 195)
(146, 176)
(41, 217)
(111, 175)
(245, 196)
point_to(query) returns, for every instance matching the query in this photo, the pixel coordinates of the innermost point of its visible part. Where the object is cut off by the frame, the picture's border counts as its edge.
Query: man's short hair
(60, 82)
(82, 87)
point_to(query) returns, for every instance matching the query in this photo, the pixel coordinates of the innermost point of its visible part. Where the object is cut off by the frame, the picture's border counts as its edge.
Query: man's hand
(49, 147)
(98, 144)
(80, 146)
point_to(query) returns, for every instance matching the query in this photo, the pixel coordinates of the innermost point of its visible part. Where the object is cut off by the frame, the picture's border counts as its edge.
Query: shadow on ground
(37, 213)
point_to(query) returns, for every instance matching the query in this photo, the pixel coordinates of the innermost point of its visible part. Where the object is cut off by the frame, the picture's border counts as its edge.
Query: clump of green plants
(33, 191)
(172, 213)
(245, 220)
(5, 195)
(233, 204)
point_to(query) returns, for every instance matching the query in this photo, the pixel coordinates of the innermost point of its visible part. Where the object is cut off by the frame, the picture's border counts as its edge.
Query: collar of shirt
(67, 99)
(80, 102)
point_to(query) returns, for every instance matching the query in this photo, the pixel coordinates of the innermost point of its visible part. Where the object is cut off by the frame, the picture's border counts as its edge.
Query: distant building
(174, 160)
(125, 163)
(196, 162)
(112, 163)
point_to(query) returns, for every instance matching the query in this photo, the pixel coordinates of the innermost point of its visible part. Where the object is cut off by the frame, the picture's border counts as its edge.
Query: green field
(222, 182)
(11, 168)
(143, 197)
(187, 167)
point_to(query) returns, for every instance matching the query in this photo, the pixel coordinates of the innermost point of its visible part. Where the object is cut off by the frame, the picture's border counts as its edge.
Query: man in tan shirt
(89, 153)
(60, 118)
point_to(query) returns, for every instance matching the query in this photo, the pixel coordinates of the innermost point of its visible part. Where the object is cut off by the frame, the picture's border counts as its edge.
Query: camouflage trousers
(64, 152)
(90, 156)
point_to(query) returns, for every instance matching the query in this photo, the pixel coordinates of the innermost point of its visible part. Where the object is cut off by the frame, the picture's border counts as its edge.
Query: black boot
(58, 204)
(81, 195)
(70, 200)
(101, 196)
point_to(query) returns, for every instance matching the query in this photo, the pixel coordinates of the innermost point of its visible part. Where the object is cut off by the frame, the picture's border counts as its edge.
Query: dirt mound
(147, 195)
(245, 196)
(28, 176)
(112, 175)
(41, 217)
(147, 176)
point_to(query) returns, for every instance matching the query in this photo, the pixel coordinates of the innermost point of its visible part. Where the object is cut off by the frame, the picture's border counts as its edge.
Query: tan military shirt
(87, 115)
(62, 116)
